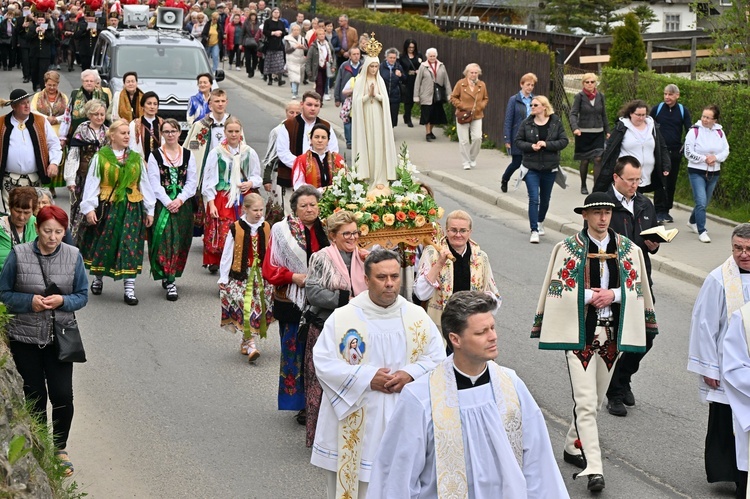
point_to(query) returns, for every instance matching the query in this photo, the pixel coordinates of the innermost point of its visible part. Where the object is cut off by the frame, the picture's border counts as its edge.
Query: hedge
(732, 195)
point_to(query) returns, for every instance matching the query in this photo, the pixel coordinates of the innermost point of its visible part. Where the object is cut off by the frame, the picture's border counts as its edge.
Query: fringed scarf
(130, 108)
(47, 108)
(289, 250)
(113, 173)
(234, 174)
(335, 274)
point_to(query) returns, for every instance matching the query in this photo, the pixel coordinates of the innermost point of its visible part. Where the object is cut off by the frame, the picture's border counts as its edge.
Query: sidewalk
(685, 258)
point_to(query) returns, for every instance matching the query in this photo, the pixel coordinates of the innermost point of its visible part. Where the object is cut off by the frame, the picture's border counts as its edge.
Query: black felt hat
(595, 200)
(19, 94)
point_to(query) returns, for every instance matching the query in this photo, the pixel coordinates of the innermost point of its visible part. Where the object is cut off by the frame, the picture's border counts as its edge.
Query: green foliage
(17, 449)
(628, 50)
(409, 22)
(591, 16)
(646, 16)
(732, 195)
(499, 40)
(731, 34)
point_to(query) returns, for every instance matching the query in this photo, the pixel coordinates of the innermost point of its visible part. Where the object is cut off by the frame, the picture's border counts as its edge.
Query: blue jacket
(515, 113)
(392, 81)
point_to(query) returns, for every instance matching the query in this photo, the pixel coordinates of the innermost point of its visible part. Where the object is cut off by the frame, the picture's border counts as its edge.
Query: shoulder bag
(465, 117)
(67, 339)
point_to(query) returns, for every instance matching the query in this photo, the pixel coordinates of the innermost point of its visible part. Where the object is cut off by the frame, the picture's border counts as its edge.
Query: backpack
(720, 132)
(661, 105)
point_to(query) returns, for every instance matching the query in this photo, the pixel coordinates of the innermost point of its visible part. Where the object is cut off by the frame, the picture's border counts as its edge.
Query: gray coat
(583, 115)
(311, 65)
(424, 85)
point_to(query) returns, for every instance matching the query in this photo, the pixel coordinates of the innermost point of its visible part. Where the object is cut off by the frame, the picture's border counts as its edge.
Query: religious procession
(385, 305)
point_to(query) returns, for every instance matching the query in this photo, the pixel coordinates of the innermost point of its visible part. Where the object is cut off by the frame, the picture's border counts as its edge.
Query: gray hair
(392, 50)
(303, 190)
(672, 89)
(429, 50)
(460, 307)
(380, 255)
(93, 105)
(742, 231)
(472, 65)
(42, 192)
(91, 72)
(344, 16)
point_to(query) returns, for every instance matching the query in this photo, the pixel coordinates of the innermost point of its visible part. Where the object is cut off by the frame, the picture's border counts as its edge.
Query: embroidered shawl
(289, 250)
(125, 109)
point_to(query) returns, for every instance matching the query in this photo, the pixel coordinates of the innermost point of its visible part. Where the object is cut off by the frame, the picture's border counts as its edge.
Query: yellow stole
(450, 461)
(352, 427)
(730, 275)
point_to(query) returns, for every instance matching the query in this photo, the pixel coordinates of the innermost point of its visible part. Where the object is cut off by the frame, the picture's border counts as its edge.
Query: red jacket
(229, 38)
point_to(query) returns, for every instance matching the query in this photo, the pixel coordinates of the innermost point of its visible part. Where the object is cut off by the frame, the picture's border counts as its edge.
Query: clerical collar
(600, 244)
(464, 381)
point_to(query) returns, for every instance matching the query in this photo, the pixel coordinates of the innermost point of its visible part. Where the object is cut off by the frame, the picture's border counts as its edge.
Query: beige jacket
(424, 85)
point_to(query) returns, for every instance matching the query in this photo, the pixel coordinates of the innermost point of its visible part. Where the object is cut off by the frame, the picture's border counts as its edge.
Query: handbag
(464, 117)
(250, 43)
(102, 208)
(67, 339)
(438, 95)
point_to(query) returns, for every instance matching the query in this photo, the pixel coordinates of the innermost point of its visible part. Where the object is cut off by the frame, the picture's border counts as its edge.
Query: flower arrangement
(403, 206)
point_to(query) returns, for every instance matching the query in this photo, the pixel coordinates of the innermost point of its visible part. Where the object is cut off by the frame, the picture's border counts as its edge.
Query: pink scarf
(355, 282)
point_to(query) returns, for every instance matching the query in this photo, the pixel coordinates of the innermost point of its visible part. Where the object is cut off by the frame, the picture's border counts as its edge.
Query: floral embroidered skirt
(233, 317)
(291, 379)
(77, 221)
(313, 390)
(114, 246)
(169, 244)
(216, 230)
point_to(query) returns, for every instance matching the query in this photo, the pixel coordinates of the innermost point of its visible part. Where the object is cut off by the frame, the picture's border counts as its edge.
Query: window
(725, 3)
(672, 22)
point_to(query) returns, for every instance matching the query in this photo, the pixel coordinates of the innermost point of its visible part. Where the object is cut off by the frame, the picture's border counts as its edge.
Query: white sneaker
(473, 164)
(238, 69)
(467, 167)
(534, 239)
(693, 227)
(540, 228)
(327, 97)
(703, 237)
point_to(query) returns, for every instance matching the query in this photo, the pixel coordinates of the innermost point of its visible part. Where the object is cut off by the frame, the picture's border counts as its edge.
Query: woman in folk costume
(246, 298)
(126, 103)
(373, 146)
(232, 170)
(318, 165)
(293, 241)
(89, 137)
(198, 103)
(337, 273)
(173, 177)
(145, 135)
(117, 184)
(75, 114)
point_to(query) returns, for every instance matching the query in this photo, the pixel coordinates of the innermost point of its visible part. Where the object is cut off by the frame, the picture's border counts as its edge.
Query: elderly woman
(19, 226)
(145, 132)
(636, 134)
(213, 38)
(431, 73)
(118, 204)
(293, 241)
(199, 22)
(53, 105)
(76, 115)
(274, 32)
(540, 137)
(126, 103)
(295, 48)
(198, 103)
(35, 305)
(457, 265)
(336, 274)
(89, 137)
(470, 97)
(588, 120)
(519, 107)
(706, 148)
(318, 165)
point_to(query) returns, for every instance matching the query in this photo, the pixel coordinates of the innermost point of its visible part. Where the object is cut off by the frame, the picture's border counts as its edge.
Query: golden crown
(373, 47)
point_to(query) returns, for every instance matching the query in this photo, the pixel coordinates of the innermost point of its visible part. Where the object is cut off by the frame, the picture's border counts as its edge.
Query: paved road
(166, 408)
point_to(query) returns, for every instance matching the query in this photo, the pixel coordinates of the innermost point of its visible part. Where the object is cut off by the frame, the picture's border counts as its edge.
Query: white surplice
(736, 381)
(707, 329)
(405, 463)
(349, 385)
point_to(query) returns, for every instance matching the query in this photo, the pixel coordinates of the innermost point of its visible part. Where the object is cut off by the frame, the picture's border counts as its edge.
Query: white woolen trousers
(331, 478)
(470, 141)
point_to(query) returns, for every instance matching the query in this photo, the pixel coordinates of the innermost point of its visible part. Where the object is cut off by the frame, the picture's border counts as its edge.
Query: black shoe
(584, 190)
(410, 124)
(130, 299)
(281, 82)
(301, 417)
(504, 185)
(628, 398)
(213, 268)
(96, 287)
(576, 460)
(617, 408)
(26, 80)
(164, 283)
(270, 82)
(172, 292)
(429, 139)
(432, 136)
(596, 483)
(668, 218)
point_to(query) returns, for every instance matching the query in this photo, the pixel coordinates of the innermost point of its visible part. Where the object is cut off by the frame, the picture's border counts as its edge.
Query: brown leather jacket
(463, 97)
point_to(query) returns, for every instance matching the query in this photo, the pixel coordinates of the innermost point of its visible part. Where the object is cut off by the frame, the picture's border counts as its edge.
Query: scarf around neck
(130, 109)
(590, 95)
(342, 278)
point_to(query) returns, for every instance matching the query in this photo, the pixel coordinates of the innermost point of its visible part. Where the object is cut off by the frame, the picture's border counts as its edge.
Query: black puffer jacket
(545, 159)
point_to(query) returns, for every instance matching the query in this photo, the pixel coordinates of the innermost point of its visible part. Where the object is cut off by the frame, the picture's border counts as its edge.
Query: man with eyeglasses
(632, 214)
(460, 265)
(725, 290)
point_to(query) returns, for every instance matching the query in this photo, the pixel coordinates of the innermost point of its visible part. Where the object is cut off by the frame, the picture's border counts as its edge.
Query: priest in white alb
(367, 352)
(470, 429)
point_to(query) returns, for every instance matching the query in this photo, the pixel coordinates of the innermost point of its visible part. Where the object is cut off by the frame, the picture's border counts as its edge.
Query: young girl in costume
(246, 298)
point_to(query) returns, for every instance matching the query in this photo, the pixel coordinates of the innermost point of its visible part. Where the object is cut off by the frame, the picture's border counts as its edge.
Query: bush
(499, 40)
(628, 50)
(405, 21)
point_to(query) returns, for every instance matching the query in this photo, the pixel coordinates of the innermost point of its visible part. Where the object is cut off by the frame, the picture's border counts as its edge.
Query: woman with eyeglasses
(636, 134)
(459, 265)
(335, 275)
(173, 177)
(318, 165)
(540, 138)
(588, 120)
(706, 148)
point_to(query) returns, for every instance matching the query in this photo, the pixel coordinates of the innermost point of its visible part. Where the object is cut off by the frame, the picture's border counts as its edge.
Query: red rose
(412, 214)
(627, 265)
(571, 283)
(633, 274)
(432, 211)
(629, 283)
(375, 217)
(400, 216)
(565, 274)
(570, 265)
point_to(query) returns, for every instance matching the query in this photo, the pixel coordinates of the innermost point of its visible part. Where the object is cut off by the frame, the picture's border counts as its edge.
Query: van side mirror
(219, 76)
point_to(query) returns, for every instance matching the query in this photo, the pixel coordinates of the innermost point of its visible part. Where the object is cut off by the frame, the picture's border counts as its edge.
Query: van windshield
(160, 61)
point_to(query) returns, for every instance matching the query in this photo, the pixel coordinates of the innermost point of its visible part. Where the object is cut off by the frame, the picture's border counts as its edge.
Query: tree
(628, 50)
(606, 15)
(646, 17)
(731, 34)
(590, 16)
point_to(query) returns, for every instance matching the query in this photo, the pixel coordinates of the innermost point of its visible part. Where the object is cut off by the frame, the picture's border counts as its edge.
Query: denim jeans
(514, 165)
(539, 185)
(213, 54)
(703, 185)
(295, 88)
(348, 133)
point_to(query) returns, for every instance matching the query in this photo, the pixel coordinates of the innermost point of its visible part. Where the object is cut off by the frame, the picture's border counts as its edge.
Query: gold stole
(730, 275)
(352, 427)
(450, 461)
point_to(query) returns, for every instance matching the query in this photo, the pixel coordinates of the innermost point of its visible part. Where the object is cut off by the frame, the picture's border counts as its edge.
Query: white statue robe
(405, 463)
(349, 385)
(707, 329)
(736, 381)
